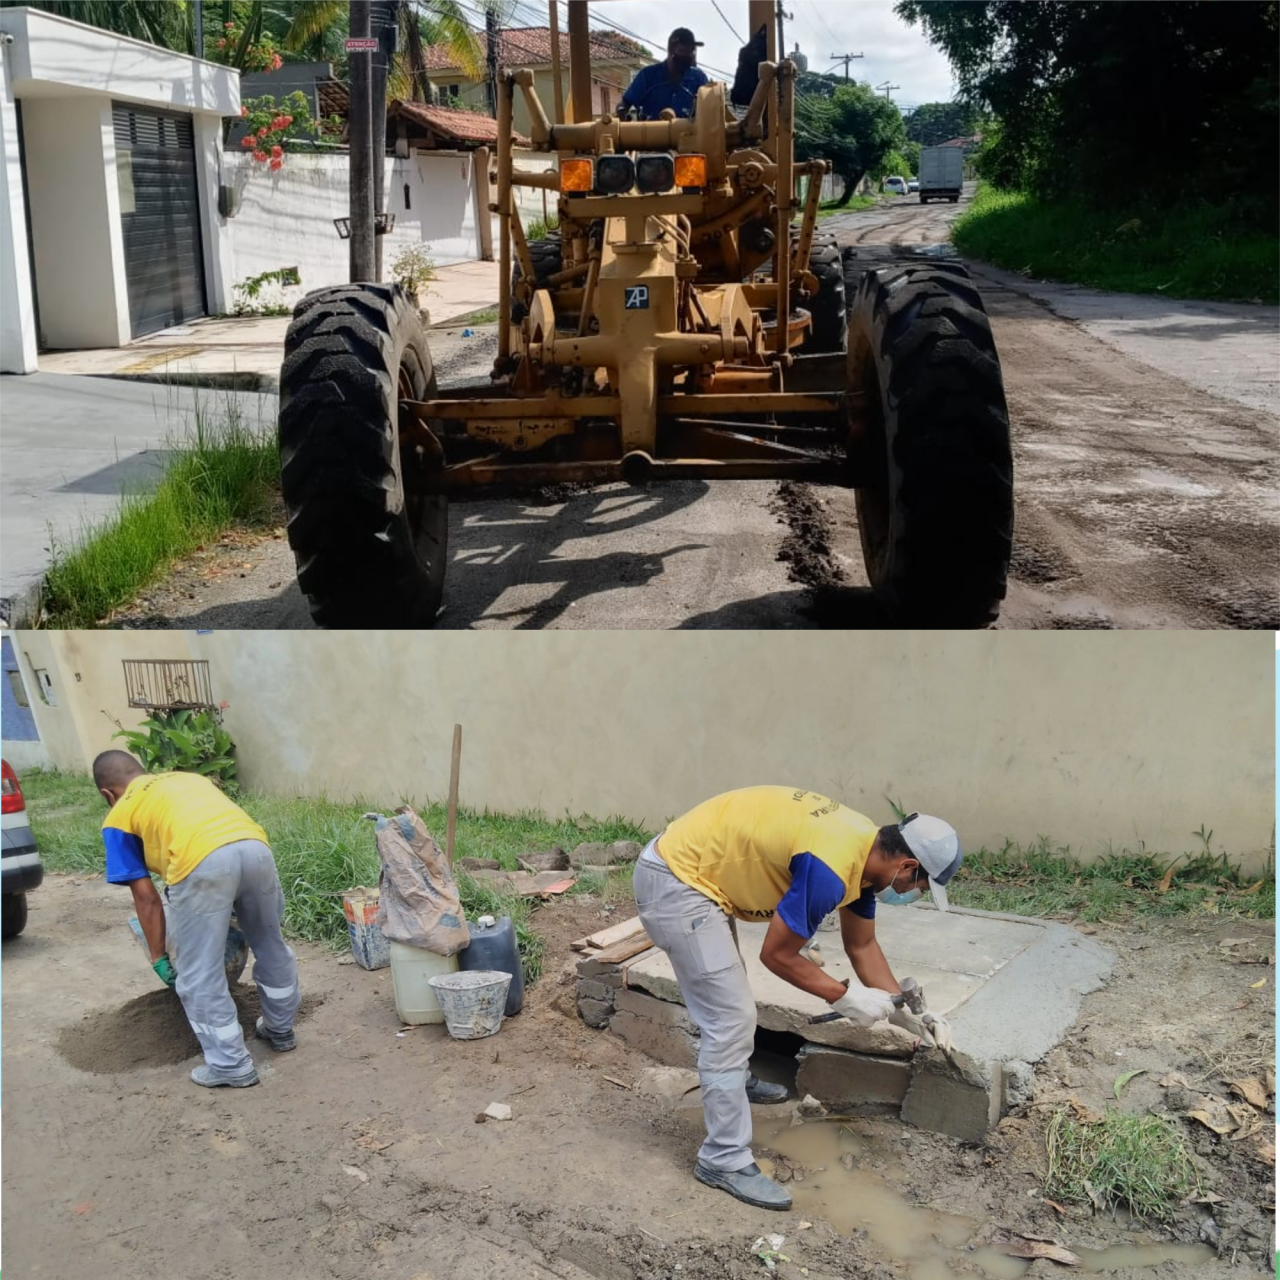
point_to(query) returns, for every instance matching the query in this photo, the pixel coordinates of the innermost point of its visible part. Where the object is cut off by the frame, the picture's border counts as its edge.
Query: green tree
(1121, 102)
(934, 122)
(848, 124)
(168, 23)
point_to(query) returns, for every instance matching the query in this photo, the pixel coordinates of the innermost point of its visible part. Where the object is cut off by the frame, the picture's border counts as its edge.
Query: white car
(913, 184)
(898, 186)
(23, 869)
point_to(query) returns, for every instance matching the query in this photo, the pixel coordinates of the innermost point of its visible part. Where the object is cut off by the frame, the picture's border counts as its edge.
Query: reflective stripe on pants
(239, 877)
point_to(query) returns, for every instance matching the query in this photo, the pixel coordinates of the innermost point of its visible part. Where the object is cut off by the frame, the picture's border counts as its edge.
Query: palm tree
(420, 25)
(168, 23)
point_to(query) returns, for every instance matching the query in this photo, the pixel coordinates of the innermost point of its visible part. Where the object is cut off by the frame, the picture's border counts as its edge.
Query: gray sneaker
(762, 1091)
(749, 1185)
(214, 1077)
(280, 1041)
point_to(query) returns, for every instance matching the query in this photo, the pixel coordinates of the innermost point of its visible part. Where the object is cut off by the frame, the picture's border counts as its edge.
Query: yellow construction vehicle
(685, 321)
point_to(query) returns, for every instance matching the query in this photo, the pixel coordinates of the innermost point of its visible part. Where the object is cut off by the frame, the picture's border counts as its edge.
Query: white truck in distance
(941, 173)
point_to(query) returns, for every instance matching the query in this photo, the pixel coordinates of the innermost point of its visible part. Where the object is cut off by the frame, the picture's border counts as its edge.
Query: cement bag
(234, 957)
(417, 895)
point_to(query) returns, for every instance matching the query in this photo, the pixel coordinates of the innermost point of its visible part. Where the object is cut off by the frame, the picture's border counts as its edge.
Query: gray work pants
(699, 941)
(240, 877)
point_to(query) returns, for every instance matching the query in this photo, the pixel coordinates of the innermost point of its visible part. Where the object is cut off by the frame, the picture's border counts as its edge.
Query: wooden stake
(453, 791)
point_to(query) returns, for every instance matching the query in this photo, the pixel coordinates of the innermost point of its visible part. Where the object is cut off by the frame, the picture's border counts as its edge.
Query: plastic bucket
(472, 1002)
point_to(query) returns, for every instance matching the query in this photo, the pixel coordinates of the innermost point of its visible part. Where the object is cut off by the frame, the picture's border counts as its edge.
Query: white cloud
(894, 51)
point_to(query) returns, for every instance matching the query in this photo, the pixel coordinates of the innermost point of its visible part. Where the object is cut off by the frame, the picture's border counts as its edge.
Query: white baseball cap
(936, 847)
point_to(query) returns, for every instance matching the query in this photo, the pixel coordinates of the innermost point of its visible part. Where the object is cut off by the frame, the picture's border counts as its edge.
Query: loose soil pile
(150, 1031)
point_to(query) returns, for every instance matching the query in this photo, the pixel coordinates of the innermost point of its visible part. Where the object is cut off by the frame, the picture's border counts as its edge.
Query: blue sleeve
(636, 90)
(124, 856)
(865, 904)
(815, 892)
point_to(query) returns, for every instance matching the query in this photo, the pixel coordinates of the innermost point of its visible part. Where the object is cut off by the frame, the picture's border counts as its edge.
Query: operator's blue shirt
(652, 91)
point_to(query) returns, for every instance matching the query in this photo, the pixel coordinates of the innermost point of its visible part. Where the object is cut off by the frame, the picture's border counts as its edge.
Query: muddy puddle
(835, 1184)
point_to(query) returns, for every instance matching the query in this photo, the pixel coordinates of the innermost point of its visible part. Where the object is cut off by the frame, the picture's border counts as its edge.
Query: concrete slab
(1010, 986)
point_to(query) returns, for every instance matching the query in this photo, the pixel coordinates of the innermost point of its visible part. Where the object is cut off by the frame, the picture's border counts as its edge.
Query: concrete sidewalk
(1011, 987)
(244, 352)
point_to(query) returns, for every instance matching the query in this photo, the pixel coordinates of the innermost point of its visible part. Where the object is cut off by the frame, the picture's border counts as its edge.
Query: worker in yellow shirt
(789, 857)
(213, 859)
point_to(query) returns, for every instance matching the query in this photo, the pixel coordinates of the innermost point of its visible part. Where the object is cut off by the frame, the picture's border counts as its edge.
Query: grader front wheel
(370, 544)
(931, 430)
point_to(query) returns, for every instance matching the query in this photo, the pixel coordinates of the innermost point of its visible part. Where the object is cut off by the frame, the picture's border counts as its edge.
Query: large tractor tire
(828, 307)
(546, 258)
(370, 549)
(931, 433)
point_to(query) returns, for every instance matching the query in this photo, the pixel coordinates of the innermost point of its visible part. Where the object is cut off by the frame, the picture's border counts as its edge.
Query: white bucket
(412, 968)
(472, 1002)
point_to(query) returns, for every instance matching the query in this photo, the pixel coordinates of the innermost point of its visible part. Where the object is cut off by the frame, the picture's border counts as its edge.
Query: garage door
(160, 210)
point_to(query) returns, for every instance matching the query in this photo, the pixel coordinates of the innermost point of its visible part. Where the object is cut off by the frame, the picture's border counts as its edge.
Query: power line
(725, 20)
(846, 58)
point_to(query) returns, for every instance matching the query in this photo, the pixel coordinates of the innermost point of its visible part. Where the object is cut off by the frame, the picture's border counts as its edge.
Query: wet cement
(150, 1031)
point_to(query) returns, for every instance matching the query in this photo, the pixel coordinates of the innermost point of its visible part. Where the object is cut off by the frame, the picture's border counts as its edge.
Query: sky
(894, 51)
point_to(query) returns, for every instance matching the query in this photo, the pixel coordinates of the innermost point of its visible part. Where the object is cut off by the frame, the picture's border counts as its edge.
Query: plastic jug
(410, 969)
(493, 946)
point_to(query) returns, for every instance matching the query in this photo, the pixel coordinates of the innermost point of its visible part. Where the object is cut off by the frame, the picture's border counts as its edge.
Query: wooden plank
(624, 950)
(614, 933)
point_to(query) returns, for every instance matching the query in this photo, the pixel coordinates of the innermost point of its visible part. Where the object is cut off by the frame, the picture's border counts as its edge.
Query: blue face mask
(892, 898)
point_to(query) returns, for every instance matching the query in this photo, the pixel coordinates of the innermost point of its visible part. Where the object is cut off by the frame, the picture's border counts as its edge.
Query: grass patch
(1199, 251)
(831, 207)
(540, 228)
(1042, 879)
(225, 471)
(1138, 1161)
(323, 847)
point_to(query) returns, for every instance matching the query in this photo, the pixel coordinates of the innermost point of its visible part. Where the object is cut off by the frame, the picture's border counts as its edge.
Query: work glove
(864, 1006)
(165, 971)
(940, 1030)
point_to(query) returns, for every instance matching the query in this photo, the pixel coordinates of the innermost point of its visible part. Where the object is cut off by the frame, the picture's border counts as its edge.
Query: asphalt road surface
(1144, 436)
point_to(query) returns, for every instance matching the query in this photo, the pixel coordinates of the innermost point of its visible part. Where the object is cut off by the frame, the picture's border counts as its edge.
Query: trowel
(911, 997)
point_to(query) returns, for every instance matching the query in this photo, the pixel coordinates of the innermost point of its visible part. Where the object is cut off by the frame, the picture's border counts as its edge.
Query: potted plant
(413, 269)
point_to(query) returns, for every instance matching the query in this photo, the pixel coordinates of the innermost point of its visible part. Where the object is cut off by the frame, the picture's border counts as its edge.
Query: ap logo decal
(637, 298)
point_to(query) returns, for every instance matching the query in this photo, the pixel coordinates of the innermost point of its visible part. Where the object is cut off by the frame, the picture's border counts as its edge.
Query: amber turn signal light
(575, 175)
(691, 171)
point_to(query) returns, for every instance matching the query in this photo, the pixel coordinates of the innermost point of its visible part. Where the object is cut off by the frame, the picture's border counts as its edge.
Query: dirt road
(1146, 494)
(358, 1156)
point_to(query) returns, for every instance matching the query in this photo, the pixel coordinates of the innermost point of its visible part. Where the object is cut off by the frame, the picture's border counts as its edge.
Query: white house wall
(75, 221)
(17, 309)
(286, 218)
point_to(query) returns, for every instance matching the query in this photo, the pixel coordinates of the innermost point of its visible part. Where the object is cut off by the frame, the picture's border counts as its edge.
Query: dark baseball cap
(682, 35)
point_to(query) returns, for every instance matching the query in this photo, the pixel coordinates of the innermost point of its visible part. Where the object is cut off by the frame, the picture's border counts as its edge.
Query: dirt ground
(1143, 498)
(359, 1154)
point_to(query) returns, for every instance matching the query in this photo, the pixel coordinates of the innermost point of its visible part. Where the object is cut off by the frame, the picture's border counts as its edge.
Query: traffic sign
(362, 45)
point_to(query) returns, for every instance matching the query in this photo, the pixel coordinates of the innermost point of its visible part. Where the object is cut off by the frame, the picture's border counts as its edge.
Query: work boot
(215, 1077)
(762, 1091)
(748, 1185)
(280, 1041)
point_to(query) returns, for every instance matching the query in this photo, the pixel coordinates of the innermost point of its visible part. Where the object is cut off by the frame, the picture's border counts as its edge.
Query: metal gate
(160, 212)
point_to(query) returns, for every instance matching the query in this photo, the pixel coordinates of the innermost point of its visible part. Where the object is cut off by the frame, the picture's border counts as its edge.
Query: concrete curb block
(212, 381)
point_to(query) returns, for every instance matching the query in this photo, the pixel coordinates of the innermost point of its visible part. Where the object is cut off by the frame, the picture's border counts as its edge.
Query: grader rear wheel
(370, 548)
(932, 430)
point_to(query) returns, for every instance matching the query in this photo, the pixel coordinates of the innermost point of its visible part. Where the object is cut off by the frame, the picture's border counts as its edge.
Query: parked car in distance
(898, 186)
(913, 184)
(20, 859)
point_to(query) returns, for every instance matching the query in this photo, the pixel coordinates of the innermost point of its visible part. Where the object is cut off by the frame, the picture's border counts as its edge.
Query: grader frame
(703, 380)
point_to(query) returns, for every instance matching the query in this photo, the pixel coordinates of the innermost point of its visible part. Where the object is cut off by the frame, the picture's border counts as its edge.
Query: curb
(213, 381)
(25, 609)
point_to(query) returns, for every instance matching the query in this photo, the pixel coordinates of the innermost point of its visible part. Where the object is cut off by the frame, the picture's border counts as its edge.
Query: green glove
(165, 971)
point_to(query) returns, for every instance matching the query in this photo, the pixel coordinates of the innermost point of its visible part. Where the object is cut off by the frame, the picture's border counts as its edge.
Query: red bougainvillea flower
(277, 62)
(277, 152)
(244, 111)
(247, 140)
(276, 164)
(259, 155)
(228, 26)
(262, 133)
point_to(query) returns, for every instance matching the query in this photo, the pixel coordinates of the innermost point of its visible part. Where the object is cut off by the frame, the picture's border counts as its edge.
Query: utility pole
(385, 28)
(362, 265)
(888, 88)
(782, 44)
(491, 61)
(846, 58)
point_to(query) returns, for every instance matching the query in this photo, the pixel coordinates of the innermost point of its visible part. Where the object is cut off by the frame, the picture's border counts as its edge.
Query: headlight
(575, 175)
(614, 175)
(655, 172)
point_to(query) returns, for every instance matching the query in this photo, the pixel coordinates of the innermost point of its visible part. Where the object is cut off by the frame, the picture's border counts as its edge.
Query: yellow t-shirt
(168, 823)
(763, 850)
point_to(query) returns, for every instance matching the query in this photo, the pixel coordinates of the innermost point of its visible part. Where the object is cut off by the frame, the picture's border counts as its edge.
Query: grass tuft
(1196, 251)
(1138, 1161)
(224, 471)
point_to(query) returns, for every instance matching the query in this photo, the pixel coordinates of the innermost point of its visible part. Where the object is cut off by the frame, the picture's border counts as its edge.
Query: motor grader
(684, 322)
